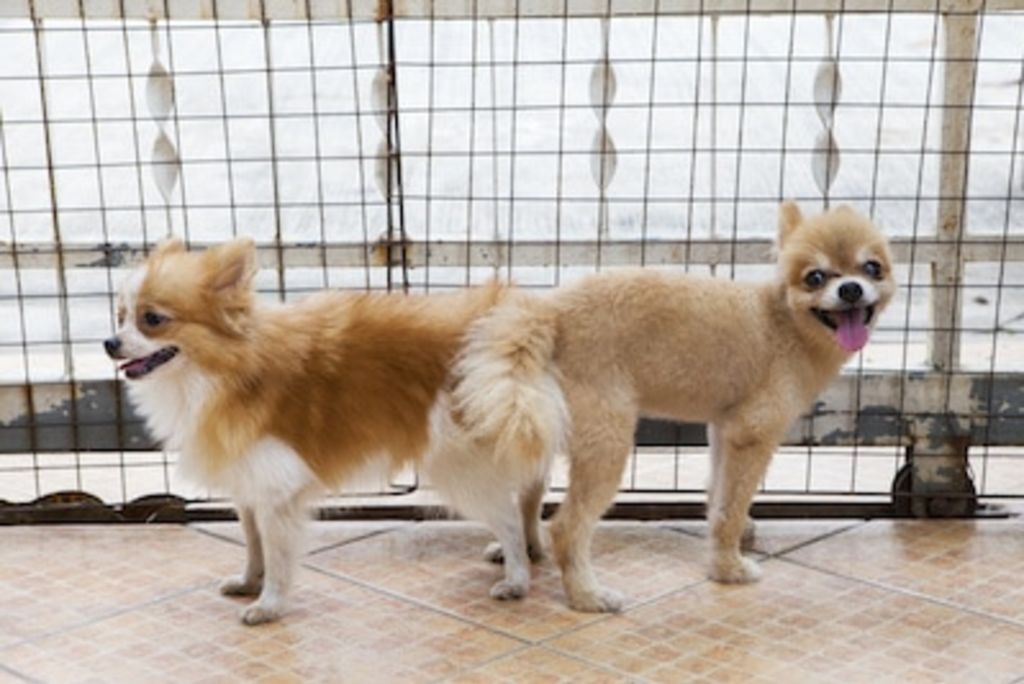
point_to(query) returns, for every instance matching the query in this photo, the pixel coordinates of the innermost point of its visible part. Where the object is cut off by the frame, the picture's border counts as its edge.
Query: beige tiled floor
(841, 601)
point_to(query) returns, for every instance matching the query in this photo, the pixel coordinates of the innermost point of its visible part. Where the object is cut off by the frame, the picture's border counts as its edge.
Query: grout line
(413, 601)
(88, 622)
(762, 555)
(856, 524)
(908, 592)
(18, 675)
(217, 536)
(483, 663)
(604, 617)
(362, 537)
(399, 524)
(590, 663)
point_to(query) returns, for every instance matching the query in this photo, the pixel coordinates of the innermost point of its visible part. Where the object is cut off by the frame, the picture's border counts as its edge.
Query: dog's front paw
(240, 586)
(600, 601)
(509, 591)
(736, 570)
(259, 613)
(495, 554)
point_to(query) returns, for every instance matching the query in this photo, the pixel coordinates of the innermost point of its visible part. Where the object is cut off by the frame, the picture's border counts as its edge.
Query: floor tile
(441, 564)
(10, 677)
(55, 576)
(799, 624)
(773, 537)
(320, 534)
(974, 563)
(538, 664)
(335, 631)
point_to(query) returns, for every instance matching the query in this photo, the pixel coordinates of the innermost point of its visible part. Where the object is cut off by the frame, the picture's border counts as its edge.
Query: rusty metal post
(940, 481)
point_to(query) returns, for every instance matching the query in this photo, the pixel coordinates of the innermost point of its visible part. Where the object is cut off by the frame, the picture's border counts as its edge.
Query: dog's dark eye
(872, 269)
(815, 279)
(153, 320)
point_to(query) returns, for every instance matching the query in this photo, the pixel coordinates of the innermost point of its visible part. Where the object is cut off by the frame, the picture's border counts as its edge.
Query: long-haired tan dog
(272, 404)
(744, 358)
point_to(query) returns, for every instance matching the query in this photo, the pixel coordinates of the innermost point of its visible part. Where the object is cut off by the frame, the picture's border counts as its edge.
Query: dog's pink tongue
(852, 333)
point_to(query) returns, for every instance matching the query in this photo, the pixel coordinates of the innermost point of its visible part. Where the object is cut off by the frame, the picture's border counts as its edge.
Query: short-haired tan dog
(745, 358)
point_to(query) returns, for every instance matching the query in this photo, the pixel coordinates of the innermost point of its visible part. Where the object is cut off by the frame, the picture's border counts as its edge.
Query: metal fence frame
(941, 412)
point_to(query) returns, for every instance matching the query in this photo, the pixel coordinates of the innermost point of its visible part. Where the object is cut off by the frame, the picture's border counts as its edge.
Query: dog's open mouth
(850, 325)
(138, 368)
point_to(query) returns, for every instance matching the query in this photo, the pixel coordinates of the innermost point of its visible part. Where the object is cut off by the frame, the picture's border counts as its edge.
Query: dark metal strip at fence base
(78, 507)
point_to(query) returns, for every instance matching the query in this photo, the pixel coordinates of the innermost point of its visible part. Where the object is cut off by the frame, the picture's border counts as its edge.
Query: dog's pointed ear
(231, 266)
(169, 246)
(790, 219)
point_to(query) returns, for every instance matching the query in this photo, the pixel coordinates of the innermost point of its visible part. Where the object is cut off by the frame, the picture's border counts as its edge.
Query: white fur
(832, 300)
(488, 489)
(271, 485)
(133, 343)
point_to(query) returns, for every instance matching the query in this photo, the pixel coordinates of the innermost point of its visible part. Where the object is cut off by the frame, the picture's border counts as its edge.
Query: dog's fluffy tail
(507, 393)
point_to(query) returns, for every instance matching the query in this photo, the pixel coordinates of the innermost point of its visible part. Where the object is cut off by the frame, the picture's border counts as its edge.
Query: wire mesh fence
(425, 146)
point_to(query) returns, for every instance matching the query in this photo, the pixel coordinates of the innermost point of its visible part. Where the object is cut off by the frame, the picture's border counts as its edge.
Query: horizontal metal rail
(490, 253)
(862, 410)
(371, 10)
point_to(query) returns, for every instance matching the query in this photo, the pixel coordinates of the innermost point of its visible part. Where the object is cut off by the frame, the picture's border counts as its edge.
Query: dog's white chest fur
(173, 404)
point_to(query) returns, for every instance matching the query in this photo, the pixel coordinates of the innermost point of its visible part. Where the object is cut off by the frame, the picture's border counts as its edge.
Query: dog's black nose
(850, 292)
(112, 345)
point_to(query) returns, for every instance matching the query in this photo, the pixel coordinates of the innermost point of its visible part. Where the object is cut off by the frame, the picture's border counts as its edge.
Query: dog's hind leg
(483, 488)
(281, 530)
(250, 582)
(530, 501)
(505, 521)
(600, 445)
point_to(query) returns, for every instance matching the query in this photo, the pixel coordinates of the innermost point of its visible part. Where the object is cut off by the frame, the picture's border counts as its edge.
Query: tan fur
(745, 358)
(338, 377)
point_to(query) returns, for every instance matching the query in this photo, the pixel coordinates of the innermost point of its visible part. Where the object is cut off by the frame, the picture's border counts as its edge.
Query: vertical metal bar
(272, 131)
(317, 151)
(118, 410)
(19, 289)
(604, 150)
(873, 206)
(713, 135)
(496, 227)
(649, 133)
(695, 132)
(470, 185)
(360, 153)
(745, 61)
(394, 153)
(560, 179)
(430, 153)
(177, 127)
(225, 128)
(510, 234)
(62, 285)
(143, 218)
